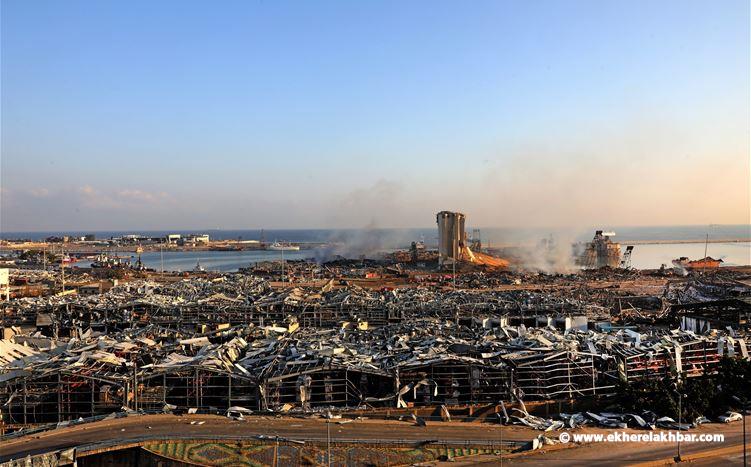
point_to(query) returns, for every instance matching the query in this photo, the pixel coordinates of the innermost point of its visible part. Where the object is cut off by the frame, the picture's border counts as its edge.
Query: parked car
(730, 417)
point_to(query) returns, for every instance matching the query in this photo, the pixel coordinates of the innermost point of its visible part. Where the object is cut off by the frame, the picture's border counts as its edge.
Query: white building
(202, 238)
(173, 238)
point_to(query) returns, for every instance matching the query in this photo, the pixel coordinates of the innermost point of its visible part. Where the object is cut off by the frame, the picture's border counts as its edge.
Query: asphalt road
(171, 426)
(133, 429)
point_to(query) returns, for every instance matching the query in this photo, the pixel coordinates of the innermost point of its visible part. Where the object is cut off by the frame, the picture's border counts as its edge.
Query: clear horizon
(333, 115)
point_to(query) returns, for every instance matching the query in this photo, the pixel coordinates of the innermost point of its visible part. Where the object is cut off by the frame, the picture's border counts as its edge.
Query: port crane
(626, 260)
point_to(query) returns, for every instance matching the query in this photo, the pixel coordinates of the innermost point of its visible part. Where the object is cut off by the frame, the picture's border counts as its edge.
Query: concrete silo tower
(452, 237)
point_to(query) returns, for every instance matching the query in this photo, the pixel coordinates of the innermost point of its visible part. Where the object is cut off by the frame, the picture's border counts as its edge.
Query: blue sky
(135, 115)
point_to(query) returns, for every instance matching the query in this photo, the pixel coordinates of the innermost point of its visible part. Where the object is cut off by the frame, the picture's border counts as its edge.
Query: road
(172, 426)
(133, 429)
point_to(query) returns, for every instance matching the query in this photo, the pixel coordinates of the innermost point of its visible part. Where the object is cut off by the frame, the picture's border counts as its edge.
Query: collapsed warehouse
(236, 343)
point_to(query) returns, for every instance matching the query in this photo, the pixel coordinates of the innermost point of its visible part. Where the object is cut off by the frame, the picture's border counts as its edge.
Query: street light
(680, 414)
(744, 406)
(501, 444)
(328, 442)
(680, 420)
(276, 451)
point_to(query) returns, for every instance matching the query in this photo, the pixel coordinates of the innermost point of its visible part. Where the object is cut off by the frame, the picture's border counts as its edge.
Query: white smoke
(552, 254)
(369, 242)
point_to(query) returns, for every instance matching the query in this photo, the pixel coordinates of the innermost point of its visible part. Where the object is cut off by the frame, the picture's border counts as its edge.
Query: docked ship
(705, 263)
(281, 246)
(198, 267)
(69, 259)
(107, 262)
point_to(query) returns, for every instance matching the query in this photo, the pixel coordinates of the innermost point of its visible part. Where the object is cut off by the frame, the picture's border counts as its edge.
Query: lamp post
(453, 266)
(501, 431)
(328, 442)
(679, 390)
(62, 267)
(680, 416)
(275, 459)
(744, 406)
(276, 452)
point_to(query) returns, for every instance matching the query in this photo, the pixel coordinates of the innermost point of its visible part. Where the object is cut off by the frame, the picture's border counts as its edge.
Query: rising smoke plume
(554, 253)
(369, 242)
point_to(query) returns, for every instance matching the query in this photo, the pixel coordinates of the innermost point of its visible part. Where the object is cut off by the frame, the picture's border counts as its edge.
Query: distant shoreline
(230, 245)
(673, 242)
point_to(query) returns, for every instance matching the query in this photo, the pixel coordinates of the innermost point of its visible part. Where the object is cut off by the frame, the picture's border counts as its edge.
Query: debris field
(234, 344)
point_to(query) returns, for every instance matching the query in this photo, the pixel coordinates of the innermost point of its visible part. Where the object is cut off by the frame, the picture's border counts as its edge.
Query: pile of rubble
(243, 299)
(233, 341)
(426, 361)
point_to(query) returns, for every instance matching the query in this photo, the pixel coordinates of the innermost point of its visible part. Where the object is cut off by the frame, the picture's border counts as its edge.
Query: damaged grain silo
(453, 247)
(451, 237)
(600, 252)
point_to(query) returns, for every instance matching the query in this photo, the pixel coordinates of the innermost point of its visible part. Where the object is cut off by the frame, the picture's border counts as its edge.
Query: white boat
(279, 246)
(198, 267)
